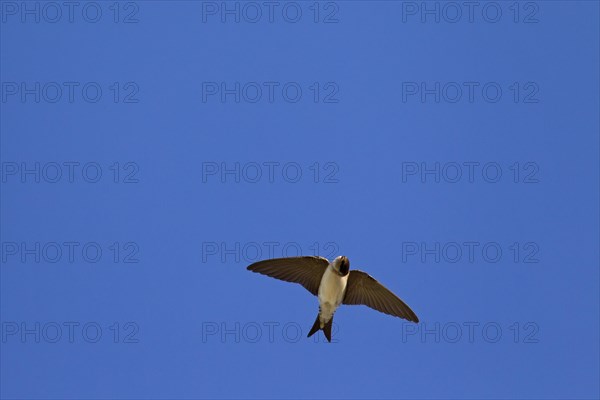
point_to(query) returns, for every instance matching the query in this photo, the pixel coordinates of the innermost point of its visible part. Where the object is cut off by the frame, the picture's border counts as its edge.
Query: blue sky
(150, 151)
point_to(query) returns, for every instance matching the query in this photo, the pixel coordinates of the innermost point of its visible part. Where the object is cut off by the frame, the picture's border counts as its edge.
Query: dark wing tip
(252, 267)
(409, 314)
(406, 312)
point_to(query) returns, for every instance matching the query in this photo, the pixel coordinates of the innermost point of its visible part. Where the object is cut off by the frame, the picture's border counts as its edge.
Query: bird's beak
(344, 266)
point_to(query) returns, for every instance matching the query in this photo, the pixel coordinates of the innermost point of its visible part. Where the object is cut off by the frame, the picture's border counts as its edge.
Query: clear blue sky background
(173, 305)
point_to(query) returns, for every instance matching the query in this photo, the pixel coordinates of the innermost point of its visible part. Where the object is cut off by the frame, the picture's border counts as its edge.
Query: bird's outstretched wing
(306, 271)
(364, 289)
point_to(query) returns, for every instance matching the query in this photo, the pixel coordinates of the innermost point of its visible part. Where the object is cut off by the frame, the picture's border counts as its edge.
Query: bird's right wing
(306, 271)
(364, 289)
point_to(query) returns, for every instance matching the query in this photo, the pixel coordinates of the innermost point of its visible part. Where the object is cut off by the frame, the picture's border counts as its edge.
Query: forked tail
(326, 329)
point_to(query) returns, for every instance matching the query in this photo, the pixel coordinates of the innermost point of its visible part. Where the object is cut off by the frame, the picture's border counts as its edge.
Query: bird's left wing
(364, 289)
(306, 270)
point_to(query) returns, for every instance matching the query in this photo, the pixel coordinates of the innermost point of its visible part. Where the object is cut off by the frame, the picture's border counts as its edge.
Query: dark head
(341, 265)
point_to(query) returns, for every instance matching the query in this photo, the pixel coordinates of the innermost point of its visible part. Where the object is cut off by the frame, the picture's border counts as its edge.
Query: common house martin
(334, 284)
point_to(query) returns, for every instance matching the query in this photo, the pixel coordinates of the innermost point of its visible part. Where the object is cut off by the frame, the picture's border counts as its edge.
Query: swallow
(334, 284)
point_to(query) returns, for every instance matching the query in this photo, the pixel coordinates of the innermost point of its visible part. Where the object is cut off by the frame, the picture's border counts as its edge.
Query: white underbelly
(331, 293)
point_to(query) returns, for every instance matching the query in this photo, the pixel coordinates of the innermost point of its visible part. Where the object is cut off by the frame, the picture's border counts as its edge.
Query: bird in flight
(334, 284)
